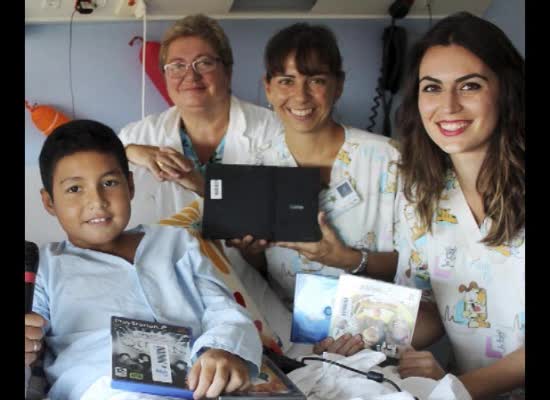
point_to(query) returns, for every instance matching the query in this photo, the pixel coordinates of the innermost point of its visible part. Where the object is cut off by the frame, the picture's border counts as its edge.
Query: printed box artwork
(150, 357)
(384, 313)
(313, 301)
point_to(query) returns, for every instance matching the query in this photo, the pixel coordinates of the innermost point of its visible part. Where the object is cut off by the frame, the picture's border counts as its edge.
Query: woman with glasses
(206, 125)
(304, 79)
(462, 211)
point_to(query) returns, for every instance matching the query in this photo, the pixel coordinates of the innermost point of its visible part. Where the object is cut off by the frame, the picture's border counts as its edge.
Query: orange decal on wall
(46, 118)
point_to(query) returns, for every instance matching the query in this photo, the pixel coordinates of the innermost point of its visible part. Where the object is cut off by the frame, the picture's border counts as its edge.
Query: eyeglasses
(202, 65)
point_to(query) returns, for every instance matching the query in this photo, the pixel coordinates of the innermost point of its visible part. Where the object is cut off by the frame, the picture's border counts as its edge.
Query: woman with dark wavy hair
(462, 211)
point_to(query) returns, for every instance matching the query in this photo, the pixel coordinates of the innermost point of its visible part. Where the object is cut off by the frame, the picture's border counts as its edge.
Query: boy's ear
(131, 185)
(47, 202)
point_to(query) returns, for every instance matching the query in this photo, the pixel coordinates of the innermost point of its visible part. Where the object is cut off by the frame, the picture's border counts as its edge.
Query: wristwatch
(363, 264)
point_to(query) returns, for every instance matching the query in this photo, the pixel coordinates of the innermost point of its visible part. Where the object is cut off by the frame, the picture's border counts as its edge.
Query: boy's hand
(419, 363)
(345, 345)
(216, 371)
(248, 245)
(252, 250)
(33, 336)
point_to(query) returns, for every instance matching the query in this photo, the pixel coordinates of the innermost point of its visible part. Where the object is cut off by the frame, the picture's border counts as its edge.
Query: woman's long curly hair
(501, 180)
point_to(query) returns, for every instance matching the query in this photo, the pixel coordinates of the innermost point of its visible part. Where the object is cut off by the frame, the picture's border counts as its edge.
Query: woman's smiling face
(303, 102)
(457, 99)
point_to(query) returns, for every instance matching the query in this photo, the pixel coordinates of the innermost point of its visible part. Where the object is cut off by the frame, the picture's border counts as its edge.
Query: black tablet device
(272, 203)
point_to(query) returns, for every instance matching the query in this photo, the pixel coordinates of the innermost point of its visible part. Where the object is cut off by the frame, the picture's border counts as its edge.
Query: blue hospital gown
(170, 281)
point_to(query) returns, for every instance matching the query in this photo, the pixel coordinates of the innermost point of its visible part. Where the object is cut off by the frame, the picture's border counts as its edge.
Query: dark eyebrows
(458, 80)
(470, 76)
(283, 76)
(70, 178)
(429, 78)
(317, 74)
(116, 171)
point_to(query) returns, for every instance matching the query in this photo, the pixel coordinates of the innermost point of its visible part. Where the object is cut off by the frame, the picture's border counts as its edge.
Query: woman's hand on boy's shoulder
(33, 336)
(216, 371)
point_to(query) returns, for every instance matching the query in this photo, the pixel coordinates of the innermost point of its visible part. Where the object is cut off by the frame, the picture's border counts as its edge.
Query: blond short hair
(203, 27)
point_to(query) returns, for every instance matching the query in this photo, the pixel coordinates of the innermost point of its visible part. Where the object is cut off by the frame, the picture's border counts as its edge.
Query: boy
(149, 273)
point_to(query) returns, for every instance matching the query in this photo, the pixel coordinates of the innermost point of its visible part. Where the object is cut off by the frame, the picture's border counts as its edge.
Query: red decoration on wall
(239, 299)
(152, 69)
(46, 118)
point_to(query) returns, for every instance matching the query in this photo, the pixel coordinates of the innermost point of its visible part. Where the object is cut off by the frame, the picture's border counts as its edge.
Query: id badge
(338, 198)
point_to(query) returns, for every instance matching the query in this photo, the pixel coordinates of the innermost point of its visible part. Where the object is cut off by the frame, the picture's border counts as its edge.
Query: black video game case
(150, 357)
(271, 203)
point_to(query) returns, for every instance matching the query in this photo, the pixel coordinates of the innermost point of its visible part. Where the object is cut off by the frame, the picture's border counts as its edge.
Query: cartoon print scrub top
(359, 204)
(479, 290)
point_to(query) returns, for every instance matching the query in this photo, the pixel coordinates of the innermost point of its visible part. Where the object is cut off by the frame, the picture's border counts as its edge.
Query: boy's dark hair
(315, 46)
(76, 136)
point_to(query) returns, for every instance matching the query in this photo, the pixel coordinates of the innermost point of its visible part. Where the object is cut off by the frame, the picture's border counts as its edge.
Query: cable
(371, 375)
(393, 384)
(380, 89)
(70, 60)
(386, 128)
(338, 364)
(376, 101)
(143, 52)
(430, 11)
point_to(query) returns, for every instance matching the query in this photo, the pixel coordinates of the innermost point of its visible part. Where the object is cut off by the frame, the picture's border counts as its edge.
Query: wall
(106, 73)
(509, 15)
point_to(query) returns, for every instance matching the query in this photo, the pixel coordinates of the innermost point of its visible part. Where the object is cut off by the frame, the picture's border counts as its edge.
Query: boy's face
(91, 199)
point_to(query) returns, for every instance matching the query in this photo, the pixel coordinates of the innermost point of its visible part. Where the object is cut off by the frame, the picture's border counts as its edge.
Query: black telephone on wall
(395, 46)
(394, 42)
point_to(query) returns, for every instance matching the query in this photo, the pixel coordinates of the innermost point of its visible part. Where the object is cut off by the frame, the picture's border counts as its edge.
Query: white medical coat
(251, 129)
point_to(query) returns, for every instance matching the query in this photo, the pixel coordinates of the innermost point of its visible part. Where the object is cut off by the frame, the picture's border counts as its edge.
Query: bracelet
(363, 264)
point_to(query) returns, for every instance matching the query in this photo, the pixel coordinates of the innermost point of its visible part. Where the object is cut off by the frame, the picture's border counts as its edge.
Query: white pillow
(40, 227)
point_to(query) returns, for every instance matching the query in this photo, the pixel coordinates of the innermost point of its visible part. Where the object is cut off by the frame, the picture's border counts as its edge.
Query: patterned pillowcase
(190, 218)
